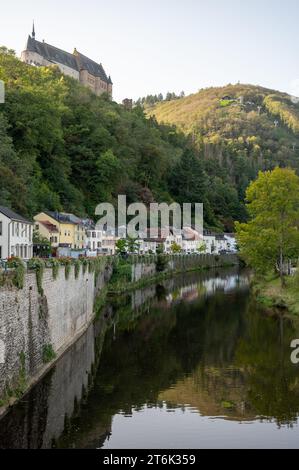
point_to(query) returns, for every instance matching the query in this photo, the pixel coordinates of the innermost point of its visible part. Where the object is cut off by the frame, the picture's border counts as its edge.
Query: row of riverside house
(189, 241)
(71, 236)
(65, 232)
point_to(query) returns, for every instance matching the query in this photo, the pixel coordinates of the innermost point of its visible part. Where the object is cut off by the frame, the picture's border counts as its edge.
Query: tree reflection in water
(198, 342)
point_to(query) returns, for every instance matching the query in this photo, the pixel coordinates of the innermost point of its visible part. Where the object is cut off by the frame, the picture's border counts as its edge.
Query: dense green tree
(42, 245)
(121, 246)
(271, 236)
(12, 188)
(132, 245)
(64, 148)
(188, 179)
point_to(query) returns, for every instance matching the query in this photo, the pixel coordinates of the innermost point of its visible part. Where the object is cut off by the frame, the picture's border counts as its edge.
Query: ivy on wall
(38, 265)
(77, 265)
(18, 267)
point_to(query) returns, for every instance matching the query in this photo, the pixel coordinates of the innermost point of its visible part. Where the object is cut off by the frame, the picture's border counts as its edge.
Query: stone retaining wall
(31, 325)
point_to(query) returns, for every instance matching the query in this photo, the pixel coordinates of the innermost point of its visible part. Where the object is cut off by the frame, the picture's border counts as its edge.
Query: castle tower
(110, 86)
(76, 65)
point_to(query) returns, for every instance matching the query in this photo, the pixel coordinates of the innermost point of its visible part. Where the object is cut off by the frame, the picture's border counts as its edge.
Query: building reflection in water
(196, 342)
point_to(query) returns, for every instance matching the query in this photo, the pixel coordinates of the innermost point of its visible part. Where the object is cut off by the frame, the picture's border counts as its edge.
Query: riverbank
(127, 277)
(271, 294)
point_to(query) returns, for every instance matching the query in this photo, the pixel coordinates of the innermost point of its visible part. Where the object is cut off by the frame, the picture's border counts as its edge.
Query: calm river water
(190, 363)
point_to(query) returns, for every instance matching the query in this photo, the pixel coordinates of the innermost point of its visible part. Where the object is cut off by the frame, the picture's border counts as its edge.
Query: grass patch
(228, 405)
(271, 294)
(225, 103)
(48, 353)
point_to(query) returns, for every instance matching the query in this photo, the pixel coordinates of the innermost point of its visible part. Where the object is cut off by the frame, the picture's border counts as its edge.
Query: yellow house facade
(71, 231)
(49, 231)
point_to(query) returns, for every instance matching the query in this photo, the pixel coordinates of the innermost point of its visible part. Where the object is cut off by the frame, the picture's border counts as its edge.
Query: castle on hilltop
(76, 65)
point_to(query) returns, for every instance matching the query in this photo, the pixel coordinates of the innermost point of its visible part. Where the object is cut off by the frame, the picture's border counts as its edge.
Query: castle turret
(110, 86)
(128, 104)
(33, 31)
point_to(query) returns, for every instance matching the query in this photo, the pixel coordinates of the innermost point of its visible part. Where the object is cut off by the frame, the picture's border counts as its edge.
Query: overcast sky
(168, 45)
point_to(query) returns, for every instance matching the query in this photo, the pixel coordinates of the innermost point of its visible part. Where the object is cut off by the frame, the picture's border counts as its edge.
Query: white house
(188, 239)
(109, 244)
(171, 236)
(94, 239)
(148, 245)
(15, 235)
(209, 240)
(231, 242)
(101, 241)
(221, 243)
(191, 240)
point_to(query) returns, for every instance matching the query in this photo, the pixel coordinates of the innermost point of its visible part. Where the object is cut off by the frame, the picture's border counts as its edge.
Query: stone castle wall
(33, 58)
(95, 84)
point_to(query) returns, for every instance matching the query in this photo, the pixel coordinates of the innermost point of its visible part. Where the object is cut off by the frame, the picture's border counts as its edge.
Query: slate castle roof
(51, 53)
(75, 61)
(84, 63)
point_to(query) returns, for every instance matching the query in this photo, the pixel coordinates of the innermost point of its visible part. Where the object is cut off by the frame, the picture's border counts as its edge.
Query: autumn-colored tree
(202, 248)
(271, 237)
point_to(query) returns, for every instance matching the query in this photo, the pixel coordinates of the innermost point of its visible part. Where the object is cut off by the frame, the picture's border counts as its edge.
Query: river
(193, 362)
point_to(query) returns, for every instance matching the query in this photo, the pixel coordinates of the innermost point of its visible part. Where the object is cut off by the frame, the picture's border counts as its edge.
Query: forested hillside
(61, 147)
(237, 130)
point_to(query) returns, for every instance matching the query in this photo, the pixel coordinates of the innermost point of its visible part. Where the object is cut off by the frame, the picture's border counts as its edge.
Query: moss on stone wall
(48, 353)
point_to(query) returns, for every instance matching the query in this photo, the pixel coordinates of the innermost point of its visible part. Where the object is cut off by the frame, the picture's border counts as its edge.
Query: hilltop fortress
(76, 65)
